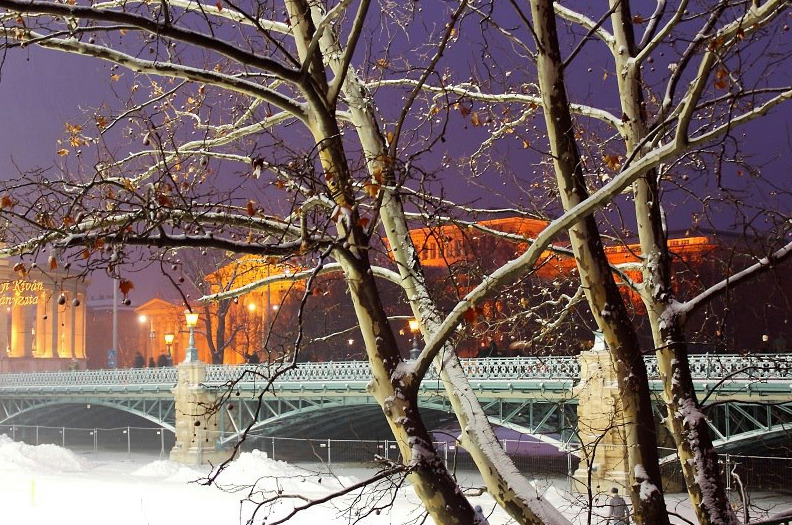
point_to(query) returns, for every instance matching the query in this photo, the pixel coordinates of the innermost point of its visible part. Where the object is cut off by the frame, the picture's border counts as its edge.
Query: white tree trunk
(607, 305)
(396, 394)
(504, 482)
(685, 419)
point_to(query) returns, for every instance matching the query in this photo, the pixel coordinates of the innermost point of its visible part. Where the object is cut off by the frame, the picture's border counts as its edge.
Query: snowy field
(47, 484)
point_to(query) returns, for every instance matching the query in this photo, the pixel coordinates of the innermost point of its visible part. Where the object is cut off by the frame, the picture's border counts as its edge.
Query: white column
(600, 423)
(54, 324)
(197, 423)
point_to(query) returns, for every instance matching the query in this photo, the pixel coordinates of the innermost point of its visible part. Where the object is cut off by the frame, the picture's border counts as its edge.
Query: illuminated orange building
(252, 324)
(262, 324)
(43, 321)
(156, 319)
(690, 252)
(232, 330)
(450, 244)
(456, 257)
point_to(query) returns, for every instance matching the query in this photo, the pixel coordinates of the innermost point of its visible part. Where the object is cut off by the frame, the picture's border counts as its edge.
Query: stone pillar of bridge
(603, 453)
(197, 419)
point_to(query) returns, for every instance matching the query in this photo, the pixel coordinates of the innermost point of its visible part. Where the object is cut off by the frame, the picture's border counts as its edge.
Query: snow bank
(255, 468)
(168, 471)
(17, 456)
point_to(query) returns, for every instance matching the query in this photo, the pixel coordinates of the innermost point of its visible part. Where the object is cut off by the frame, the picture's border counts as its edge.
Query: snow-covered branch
(172, 70)
(473, 92)
(294, 276)
(212, 12)
(583, 21)
(683, 310)
(154, 27)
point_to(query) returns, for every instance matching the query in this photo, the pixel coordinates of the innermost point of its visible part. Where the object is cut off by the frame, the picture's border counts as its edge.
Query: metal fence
(765, 473)
(758, 473)
(702, 367)
(121, 439)
(360, 451)
(294, 450)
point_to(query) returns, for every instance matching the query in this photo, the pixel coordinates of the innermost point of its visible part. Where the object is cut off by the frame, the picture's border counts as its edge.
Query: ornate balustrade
(502, 368)
(738, 367)
(88, 378)
(703, 367)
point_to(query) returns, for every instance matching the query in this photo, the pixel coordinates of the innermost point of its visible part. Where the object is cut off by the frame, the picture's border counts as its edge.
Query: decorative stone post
(603, 453)
(197, 418)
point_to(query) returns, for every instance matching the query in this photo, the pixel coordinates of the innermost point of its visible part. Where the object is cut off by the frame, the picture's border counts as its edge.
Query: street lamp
(143, 319)
(169, 337)
(191, 354)
(415, 327)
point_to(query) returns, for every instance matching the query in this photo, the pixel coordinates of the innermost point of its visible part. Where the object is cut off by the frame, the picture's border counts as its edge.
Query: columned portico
(42, 320)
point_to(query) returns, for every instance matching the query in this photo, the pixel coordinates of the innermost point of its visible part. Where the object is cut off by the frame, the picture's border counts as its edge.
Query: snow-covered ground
(47, 484)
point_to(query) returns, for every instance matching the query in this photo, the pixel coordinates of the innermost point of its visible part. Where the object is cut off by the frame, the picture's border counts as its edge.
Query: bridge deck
(534, 394)
(764, 372)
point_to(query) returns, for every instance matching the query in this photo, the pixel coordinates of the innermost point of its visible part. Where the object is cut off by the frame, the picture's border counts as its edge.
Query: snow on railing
(106, 377)
(738, 367)
(500, 368)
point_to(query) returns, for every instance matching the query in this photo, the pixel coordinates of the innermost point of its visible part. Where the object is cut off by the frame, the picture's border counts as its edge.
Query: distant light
(350, 342)
(414, 325)
(191, 318)
(275, 307)
(252, 307)
(142, 318)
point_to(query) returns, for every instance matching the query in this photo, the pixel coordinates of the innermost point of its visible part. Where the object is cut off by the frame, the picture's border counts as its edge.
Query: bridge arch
(358, 415)
(534, 395)
(83, 413)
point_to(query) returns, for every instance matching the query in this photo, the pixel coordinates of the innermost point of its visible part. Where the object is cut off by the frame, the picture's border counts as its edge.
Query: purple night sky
(41, 90)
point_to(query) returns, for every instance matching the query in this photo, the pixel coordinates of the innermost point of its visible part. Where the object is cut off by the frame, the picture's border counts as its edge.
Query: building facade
(47, 325)
(42, 319)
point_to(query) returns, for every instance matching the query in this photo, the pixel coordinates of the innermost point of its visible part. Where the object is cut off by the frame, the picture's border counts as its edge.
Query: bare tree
(691, 127)
(299, 80)
(225, 324)
(288, 93)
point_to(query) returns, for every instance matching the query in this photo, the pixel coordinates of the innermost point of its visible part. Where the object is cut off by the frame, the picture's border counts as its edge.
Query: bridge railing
(703, 367)
(105, 377)
(749, 366)
(500, 368)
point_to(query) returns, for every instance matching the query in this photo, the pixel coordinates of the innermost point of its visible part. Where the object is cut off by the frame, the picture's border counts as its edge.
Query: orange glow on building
(446, 245)
(42, 320)
(245, 319)
(253, 314)
(158, 317)
(449, 244)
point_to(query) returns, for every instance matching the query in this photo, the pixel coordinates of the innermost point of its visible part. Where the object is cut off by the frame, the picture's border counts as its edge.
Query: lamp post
(415, 327)
(191, 354)
(143, 319)
(169, 337)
